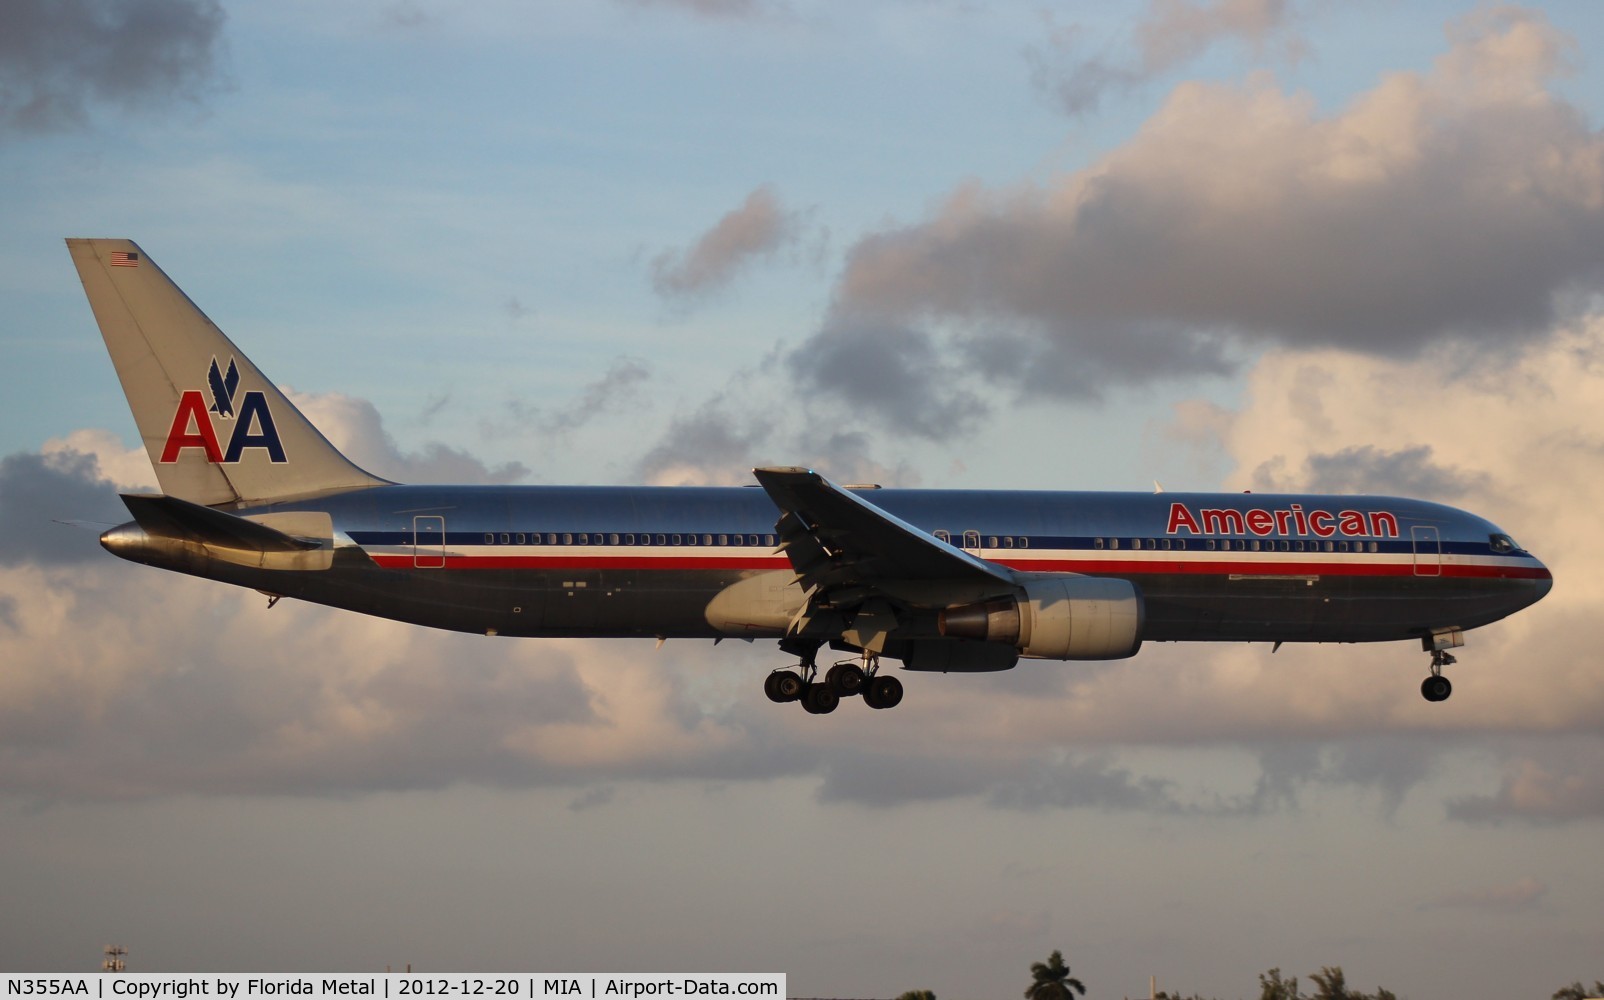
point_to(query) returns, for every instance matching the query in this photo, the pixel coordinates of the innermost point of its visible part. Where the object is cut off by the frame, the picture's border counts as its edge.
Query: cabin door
(1428, 550)
(428, 541)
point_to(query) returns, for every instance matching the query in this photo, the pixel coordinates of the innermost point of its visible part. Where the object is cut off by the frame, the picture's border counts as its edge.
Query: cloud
(1463, 205)
(1544, 785)
(128, 468)
(1522, 894)
(894, 372)
(354, 427)
(406, 15)
(1068, 782)
(1172, 32)
(728, 435)
(758, 229)
(1368, 469)
(710, 9)
(712, 446)
(36, 490)
(618, 386)
(60, 58)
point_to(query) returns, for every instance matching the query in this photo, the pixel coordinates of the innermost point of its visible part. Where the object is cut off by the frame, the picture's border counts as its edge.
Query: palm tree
(1052, 981)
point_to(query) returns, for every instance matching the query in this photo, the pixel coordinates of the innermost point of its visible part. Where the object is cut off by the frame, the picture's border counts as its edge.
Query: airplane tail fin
(216, 428)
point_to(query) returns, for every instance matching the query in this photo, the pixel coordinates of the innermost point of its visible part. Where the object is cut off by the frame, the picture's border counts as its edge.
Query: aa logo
(252, 421)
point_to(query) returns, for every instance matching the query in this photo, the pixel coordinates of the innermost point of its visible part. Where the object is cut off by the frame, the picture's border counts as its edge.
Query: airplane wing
(842, 545)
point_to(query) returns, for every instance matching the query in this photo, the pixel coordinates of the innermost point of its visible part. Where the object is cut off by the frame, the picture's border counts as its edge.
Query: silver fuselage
(654, 561)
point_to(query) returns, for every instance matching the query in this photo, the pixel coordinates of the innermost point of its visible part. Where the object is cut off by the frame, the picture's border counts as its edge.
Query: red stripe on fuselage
(1100, 567)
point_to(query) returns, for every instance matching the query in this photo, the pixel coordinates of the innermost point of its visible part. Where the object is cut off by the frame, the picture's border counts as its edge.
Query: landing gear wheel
(845, 679)
(1436, 688)
(783, 685)
(882, 692)
(820, 699)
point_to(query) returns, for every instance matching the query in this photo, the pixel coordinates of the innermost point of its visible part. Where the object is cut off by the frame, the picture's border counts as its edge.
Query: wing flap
(836, 540)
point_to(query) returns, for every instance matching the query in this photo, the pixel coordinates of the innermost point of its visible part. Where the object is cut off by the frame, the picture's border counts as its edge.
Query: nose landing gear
(1437, 687)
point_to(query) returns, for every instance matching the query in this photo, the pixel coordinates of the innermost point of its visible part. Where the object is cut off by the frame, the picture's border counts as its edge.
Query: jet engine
(1056, 617)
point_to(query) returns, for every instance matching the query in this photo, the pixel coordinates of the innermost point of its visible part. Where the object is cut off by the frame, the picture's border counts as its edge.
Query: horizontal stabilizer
(170, 517)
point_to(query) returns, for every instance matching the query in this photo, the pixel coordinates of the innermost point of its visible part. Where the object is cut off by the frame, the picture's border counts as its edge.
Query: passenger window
(1097, 543)
(1225, 544)
(1211, 544)
(1136, 543)
(1255, 545)
(1330, 547)
(1167, 544)
(1152, 544)
(991, 541)
(707, 539)
(1180, 543)
(504, 538)
(490, 539)
(943, 536)
(1008, 542)
(768, 540)
(1342, 546)
(677, 540)
(660, 540)
(1113, 543)
(1372, 546)
(612, 539)
(1024, 541)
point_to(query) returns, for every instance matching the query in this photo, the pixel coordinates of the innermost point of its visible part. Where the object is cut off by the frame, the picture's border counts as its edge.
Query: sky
(1217, 244)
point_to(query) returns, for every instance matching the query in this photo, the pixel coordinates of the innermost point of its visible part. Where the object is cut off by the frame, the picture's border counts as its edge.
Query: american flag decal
(122, 258)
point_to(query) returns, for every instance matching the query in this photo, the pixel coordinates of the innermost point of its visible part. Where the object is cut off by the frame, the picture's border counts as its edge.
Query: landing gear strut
(878, 691)
(1437, 687)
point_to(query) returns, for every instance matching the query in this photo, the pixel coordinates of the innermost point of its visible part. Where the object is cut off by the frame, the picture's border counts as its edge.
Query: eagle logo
(223, 387)
(252, 417)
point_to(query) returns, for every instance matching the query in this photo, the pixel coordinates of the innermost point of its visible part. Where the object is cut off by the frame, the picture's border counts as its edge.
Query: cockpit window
(1502, 544)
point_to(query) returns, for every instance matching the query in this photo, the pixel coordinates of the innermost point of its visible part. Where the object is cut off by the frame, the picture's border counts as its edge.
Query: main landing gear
(843, 680)
(1437, 687)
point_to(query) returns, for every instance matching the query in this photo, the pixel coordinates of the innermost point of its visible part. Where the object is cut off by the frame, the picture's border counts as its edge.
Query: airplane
(938, 580)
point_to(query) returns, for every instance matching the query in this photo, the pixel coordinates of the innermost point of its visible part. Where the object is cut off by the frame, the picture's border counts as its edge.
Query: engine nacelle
(1057, 617)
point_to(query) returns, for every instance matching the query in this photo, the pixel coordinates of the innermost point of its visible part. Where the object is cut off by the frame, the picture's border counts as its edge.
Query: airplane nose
(1543, 584)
